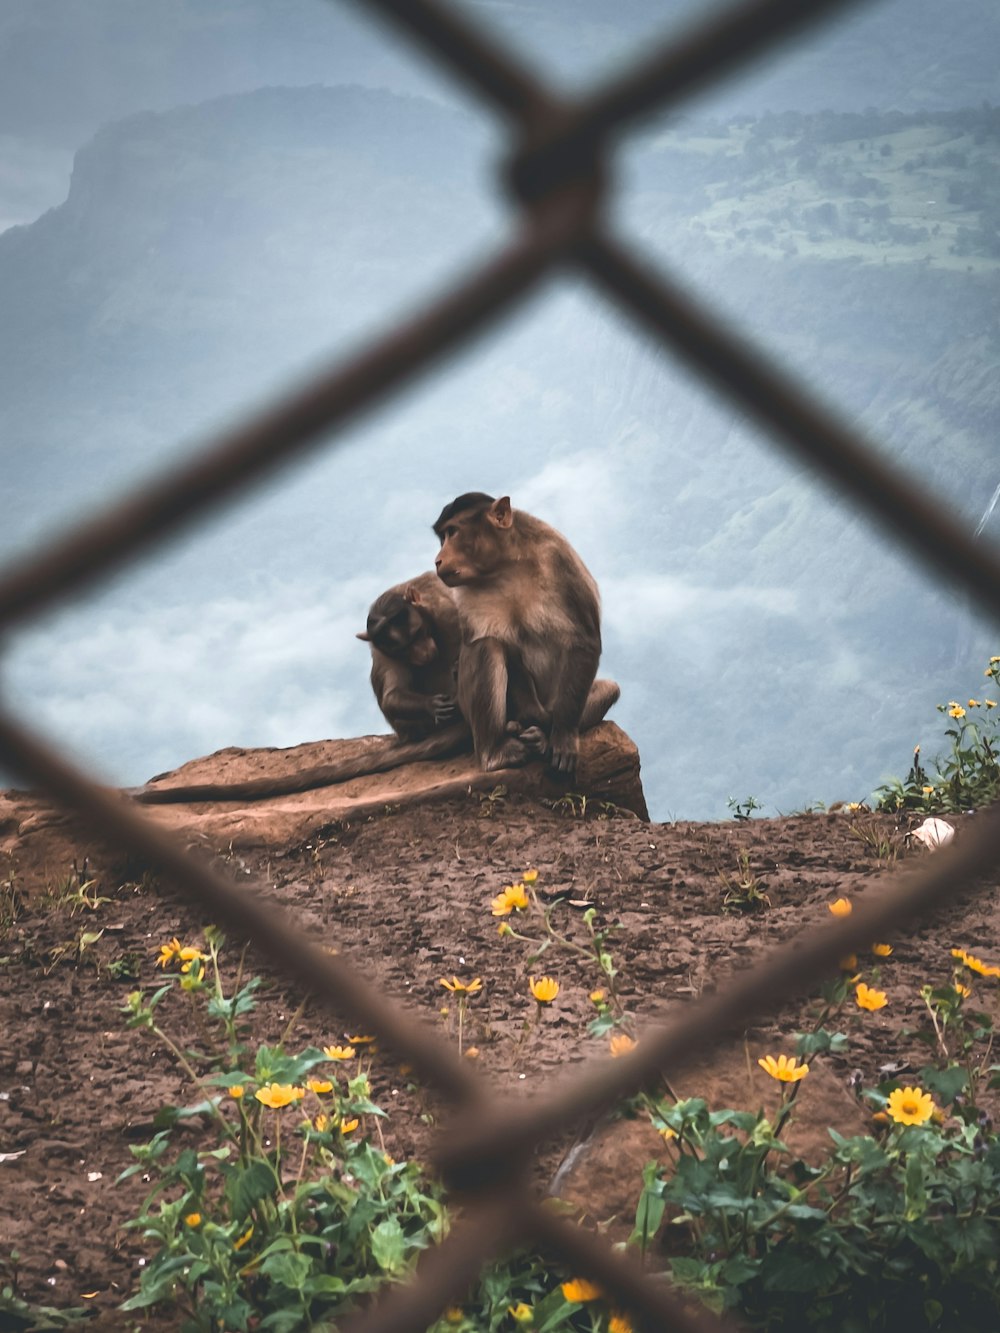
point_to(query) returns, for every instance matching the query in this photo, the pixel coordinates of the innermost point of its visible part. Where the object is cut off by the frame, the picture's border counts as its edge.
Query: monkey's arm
(402, 704)
(579, 669)
(393, 754)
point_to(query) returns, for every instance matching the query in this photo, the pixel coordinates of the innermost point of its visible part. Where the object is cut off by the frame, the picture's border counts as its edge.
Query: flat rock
(608, 771)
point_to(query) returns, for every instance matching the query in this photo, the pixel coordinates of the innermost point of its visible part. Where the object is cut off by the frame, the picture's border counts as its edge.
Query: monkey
(414, 635)
(531, 633)
(413, 631)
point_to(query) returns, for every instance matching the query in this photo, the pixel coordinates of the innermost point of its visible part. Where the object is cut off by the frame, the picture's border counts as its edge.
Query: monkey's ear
(363, 635)
(501, 512)
(412, 594)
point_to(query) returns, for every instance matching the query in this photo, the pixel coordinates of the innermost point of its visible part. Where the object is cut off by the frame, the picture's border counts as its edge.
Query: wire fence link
(556, 171)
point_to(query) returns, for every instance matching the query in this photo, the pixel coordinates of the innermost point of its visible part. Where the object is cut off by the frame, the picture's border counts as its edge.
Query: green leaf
(247, 1186)
(389, 1246)
(287, 1268)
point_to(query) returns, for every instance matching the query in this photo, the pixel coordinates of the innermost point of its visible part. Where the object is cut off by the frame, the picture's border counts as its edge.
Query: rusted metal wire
(556, 167)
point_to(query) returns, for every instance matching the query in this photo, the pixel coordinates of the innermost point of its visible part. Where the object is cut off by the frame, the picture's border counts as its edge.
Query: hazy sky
(244, 632)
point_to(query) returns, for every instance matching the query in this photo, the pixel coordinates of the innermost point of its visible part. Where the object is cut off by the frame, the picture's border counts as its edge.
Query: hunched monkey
(531, 633)
(415, 637)
(413, 631)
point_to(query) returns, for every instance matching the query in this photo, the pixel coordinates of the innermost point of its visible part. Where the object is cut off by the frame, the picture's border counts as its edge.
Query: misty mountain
(766, 640)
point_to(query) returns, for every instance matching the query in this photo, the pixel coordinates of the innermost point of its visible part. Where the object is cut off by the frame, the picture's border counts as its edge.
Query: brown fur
(531, 633)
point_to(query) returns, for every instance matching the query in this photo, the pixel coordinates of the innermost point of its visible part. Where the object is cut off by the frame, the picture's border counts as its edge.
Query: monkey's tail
(393, 754)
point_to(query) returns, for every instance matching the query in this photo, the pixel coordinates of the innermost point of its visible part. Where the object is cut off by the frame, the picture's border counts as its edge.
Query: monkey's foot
(562, 753)
(512, 754)
(535, 739)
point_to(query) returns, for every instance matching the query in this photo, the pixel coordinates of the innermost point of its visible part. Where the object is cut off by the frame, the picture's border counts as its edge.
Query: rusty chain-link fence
(556, 172)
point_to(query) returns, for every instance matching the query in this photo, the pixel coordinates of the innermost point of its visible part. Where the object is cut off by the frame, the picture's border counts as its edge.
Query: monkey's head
(401, 626)
(474, 532)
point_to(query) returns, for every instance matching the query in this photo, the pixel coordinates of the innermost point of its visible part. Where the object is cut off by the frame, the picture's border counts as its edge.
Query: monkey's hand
(563, 748)
(444, 709)
(535, 739)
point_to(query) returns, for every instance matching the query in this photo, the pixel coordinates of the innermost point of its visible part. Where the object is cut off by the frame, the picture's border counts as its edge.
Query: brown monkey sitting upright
(531, 633)
(414, 635)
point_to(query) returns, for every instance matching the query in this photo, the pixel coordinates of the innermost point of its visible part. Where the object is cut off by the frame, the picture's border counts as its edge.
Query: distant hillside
(765, 639)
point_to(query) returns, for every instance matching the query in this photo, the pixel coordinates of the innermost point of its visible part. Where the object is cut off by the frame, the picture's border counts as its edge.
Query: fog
(255, 195)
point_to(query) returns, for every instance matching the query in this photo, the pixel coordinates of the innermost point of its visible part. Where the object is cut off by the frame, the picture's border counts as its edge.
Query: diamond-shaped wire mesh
(556, 171)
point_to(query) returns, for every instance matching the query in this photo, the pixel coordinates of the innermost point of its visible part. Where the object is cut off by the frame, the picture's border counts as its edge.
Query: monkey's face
(472, 549)
(407, 637)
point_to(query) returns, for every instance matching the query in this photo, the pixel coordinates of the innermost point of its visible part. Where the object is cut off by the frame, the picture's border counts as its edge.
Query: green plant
(968, 776)
(897, 1229)
(744, 891)
(742, 810)
(290, 1215)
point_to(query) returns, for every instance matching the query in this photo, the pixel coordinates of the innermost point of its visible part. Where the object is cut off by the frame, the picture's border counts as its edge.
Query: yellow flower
(277, 1095)
(964, 991)
(521, 1313)
(339, 1052)
(973, 703)
(530, 876)
(321, 1124)
(238, 1244)
(545, 989)
(991, 703)
(580, 1290)
(503, 929)
(236, 1091)
(193, 1220)
(960, 954)
(956, 711)
(881, 950)
(597, 996)
(462, 987)
(868, 998)
(168, 952)
(977, 965)
(842, 907)
(361, 1040)
(666, 1133)
(910, 1106)
(512, 899)
(786, 1068)
(349, 1126)
(472, 1053)
(189, 953)
(453, 1314)
(621, 1043)
(319, 1085)
(618, 1323)
(927, 791)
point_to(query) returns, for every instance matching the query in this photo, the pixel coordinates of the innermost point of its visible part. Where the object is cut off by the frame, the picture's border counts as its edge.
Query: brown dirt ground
(407, 895)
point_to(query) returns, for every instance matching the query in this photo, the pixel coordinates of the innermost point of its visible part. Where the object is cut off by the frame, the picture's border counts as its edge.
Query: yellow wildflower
(530, 876)
(168, 952)
(964, 991)
(910, 1106)
(991, 703)
(786, 1068)
(960, 954)
(454, 1314)
(236, 1091)
(339, 1052)
(239, 1243)
(867, 998)
(973, 703)
(513, 898)
(361, 1040)
(472, 1052)
(597, 996)
(319, 1085)
(956, 711)
(621, 1043)
(462, 987)
(503, 929)
(618, 1323)
(580, 1290)
(842, 907)
(277, 1095)
(349, 1126)
(193, 1220)
(521, 1313)
(977, 965)
(927, 791)
(545, 989)
(881, 950)
(666, 1133)
(321, 1124)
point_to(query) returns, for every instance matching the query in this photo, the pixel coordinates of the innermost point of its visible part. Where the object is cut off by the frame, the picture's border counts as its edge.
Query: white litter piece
(933, 833)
